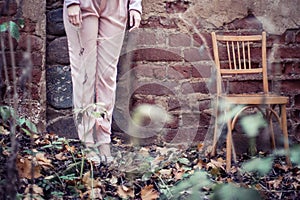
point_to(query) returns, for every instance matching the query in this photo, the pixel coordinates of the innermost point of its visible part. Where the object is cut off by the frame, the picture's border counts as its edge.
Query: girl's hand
(74, 14)
(134, 19)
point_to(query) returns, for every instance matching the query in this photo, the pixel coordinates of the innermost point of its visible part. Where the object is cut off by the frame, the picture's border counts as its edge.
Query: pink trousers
(94, 50)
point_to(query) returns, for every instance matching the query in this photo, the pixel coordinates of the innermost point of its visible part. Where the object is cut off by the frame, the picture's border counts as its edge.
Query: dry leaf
(200, 147)
(24, 168)
(178, 174)
(61, 156)
(165, 150)
(94, 193)
(199, 164)
(43, 161)
(3, 131)
(144, 151)
(90, 182)
(35, 190)
(165, 172)
(71, 149)
(149, 193)
(125, 192)
(275, 183)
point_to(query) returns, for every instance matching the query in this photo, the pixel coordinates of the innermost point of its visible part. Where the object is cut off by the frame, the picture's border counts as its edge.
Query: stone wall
(31, 94)
(168, 62)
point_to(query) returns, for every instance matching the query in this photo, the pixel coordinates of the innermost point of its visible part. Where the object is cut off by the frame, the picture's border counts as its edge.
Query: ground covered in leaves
(149, 172)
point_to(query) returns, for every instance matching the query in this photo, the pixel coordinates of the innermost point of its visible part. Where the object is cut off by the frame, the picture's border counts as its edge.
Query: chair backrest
(238, 55)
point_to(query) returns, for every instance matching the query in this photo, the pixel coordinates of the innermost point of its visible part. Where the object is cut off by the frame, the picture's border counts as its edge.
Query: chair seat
(254, 99)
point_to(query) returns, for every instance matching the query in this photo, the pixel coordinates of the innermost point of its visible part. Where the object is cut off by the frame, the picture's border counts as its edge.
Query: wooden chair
(236, 57)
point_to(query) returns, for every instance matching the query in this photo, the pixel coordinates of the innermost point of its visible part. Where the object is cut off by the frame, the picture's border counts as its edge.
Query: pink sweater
(133, 4)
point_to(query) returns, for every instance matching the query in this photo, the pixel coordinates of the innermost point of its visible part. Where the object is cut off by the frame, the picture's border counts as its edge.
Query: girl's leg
(112, 26)
(82, 42)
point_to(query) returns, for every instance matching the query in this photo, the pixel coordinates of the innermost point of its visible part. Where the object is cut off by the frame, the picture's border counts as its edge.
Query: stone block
(59, 87)
(55, 24)
(36, 43)
(57, 51)
(194, 87)
(196, 54)
(155, 54)
(180, 40)
(64, 127)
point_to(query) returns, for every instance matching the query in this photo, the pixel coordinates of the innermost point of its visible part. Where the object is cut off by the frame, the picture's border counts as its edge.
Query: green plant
(13, 28)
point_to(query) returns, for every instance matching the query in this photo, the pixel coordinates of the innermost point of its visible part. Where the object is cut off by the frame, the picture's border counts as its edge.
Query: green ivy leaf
(6, 112)
(295, 154)
(3, 27)
(260, 165)
(14, 30)
(21, 23)
(252, 123)
(184, 161)
(230, 191)
(31, 126)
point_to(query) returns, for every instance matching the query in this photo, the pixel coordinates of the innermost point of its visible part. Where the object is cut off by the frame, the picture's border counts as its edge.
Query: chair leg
(272, 136)
(285, 134)
(228, 146)
(215, 139)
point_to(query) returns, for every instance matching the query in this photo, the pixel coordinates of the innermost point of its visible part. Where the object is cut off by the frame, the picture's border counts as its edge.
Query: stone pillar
(58, 75)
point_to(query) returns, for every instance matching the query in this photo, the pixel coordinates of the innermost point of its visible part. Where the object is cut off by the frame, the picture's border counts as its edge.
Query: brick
(154, 89)
(174, 124)
(159, 72)
(142, 37)
(12, 8)
(196, 54)
(190, 120)
(202, 70)
(159, 22)
(296, 113)
(287, 52)
(179, 72)
(194, 87)
(179, 40)
(245, 86)
(143, 71)
(248, 22)
(181, 135)
(155, 54)
(197, 40)
(297, 100)
(174, 104)
(297, 37)
(289, 36)
(36, 43)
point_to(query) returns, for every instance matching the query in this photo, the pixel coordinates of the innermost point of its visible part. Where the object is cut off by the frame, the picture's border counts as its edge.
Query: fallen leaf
(94, 193)
(149, 193)
(61, 156)
(275, 183)
(178, 174)
(165, 172)
(37, 193)
(71, 149)
(24, 166)
(200, 146)
(35, 189)
(144, 151)
(90, 182)
(125, 192)
(3, 131)
(43, 161)
(165, 151)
